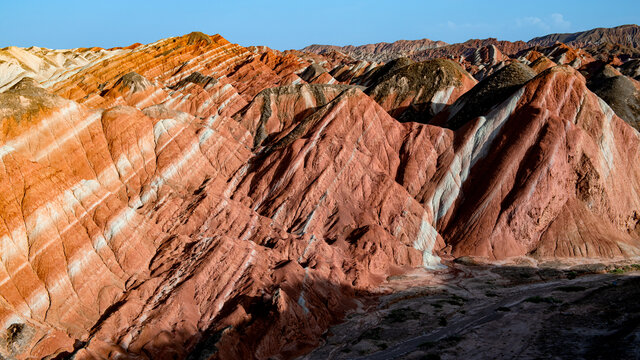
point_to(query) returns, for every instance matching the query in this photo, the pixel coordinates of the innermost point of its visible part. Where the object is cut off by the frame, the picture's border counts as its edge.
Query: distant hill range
(625, 35)
(625, 38)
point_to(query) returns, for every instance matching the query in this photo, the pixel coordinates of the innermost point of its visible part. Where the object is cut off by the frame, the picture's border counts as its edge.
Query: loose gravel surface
(548, 311)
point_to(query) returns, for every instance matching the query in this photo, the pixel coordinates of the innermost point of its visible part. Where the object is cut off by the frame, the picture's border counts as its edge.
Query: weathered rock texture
(622, 40)
(192, 197)
(481, 98)
(418, 50)
(381, 51)
(419, 91)
(626, 35)
(620, 92)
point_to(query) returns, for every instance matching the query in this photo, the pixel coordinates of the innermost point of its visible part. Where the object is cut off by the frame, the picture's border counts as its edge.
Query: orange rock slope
(193, 197)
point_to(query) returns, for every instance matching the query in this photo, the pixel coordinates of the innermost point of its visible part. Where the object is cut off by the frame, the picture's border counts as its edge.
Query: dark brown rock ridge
(419, 91)
(482, 97)
(380, 52)
(417, 52)
(620, 92)
(625, 35)
(631, 69)
(621, 41)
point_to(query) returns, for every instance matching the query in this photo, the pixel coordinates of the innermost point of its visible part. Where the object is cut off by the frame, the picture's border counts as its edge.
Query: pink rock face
(565, 170)
(324, 78)
(195, 197)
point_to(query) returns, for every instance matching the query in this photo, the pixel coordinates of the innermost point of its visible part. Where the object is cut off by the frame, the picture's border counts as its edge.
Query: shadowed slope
(417, 92)
(492, 90)
(620, 92)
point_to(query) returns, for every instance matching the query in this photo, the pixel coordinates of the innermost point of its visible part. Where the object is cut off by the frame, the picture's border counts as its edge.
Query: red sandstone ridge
(563, 131)
(192, 197)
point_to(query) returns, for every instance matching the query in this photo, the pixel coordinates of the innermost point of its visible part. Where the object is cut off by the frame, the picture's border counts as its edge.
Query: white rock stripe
(476, 148)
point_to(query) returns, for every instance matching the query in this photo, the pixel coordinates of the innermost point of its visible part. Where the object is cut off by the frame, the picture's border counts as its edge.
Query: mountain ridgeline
(193, 198)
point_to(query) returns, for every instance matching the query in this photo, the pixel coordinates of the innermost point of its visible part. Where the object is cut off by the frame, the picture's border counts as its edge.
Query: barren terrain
(510, 312)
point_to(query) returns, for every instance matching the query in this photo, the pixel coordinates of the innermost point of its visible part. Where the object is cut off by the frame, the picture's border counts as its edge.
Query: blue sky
(295, 24)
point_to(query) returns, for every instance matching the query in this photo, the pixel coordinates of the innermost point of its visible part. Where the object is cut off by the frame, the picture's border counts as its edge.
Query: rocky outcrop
(482, 97)
(274, 111)
(419, 50)
(419, 91)
(311, 72)
(626, 35)
(609, 52)
(558, 53)
(620, 92)
(380, 52)
(622, 41)
(557, 154)
(375, 74)
(486, 61)
(541, 64)
(353, 71)
(487, 56)
(631, 69)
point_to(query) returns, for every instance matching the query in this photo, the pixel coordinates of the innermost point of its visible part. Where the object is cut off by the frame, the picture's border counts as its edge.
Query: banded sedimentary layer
(192, 196)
